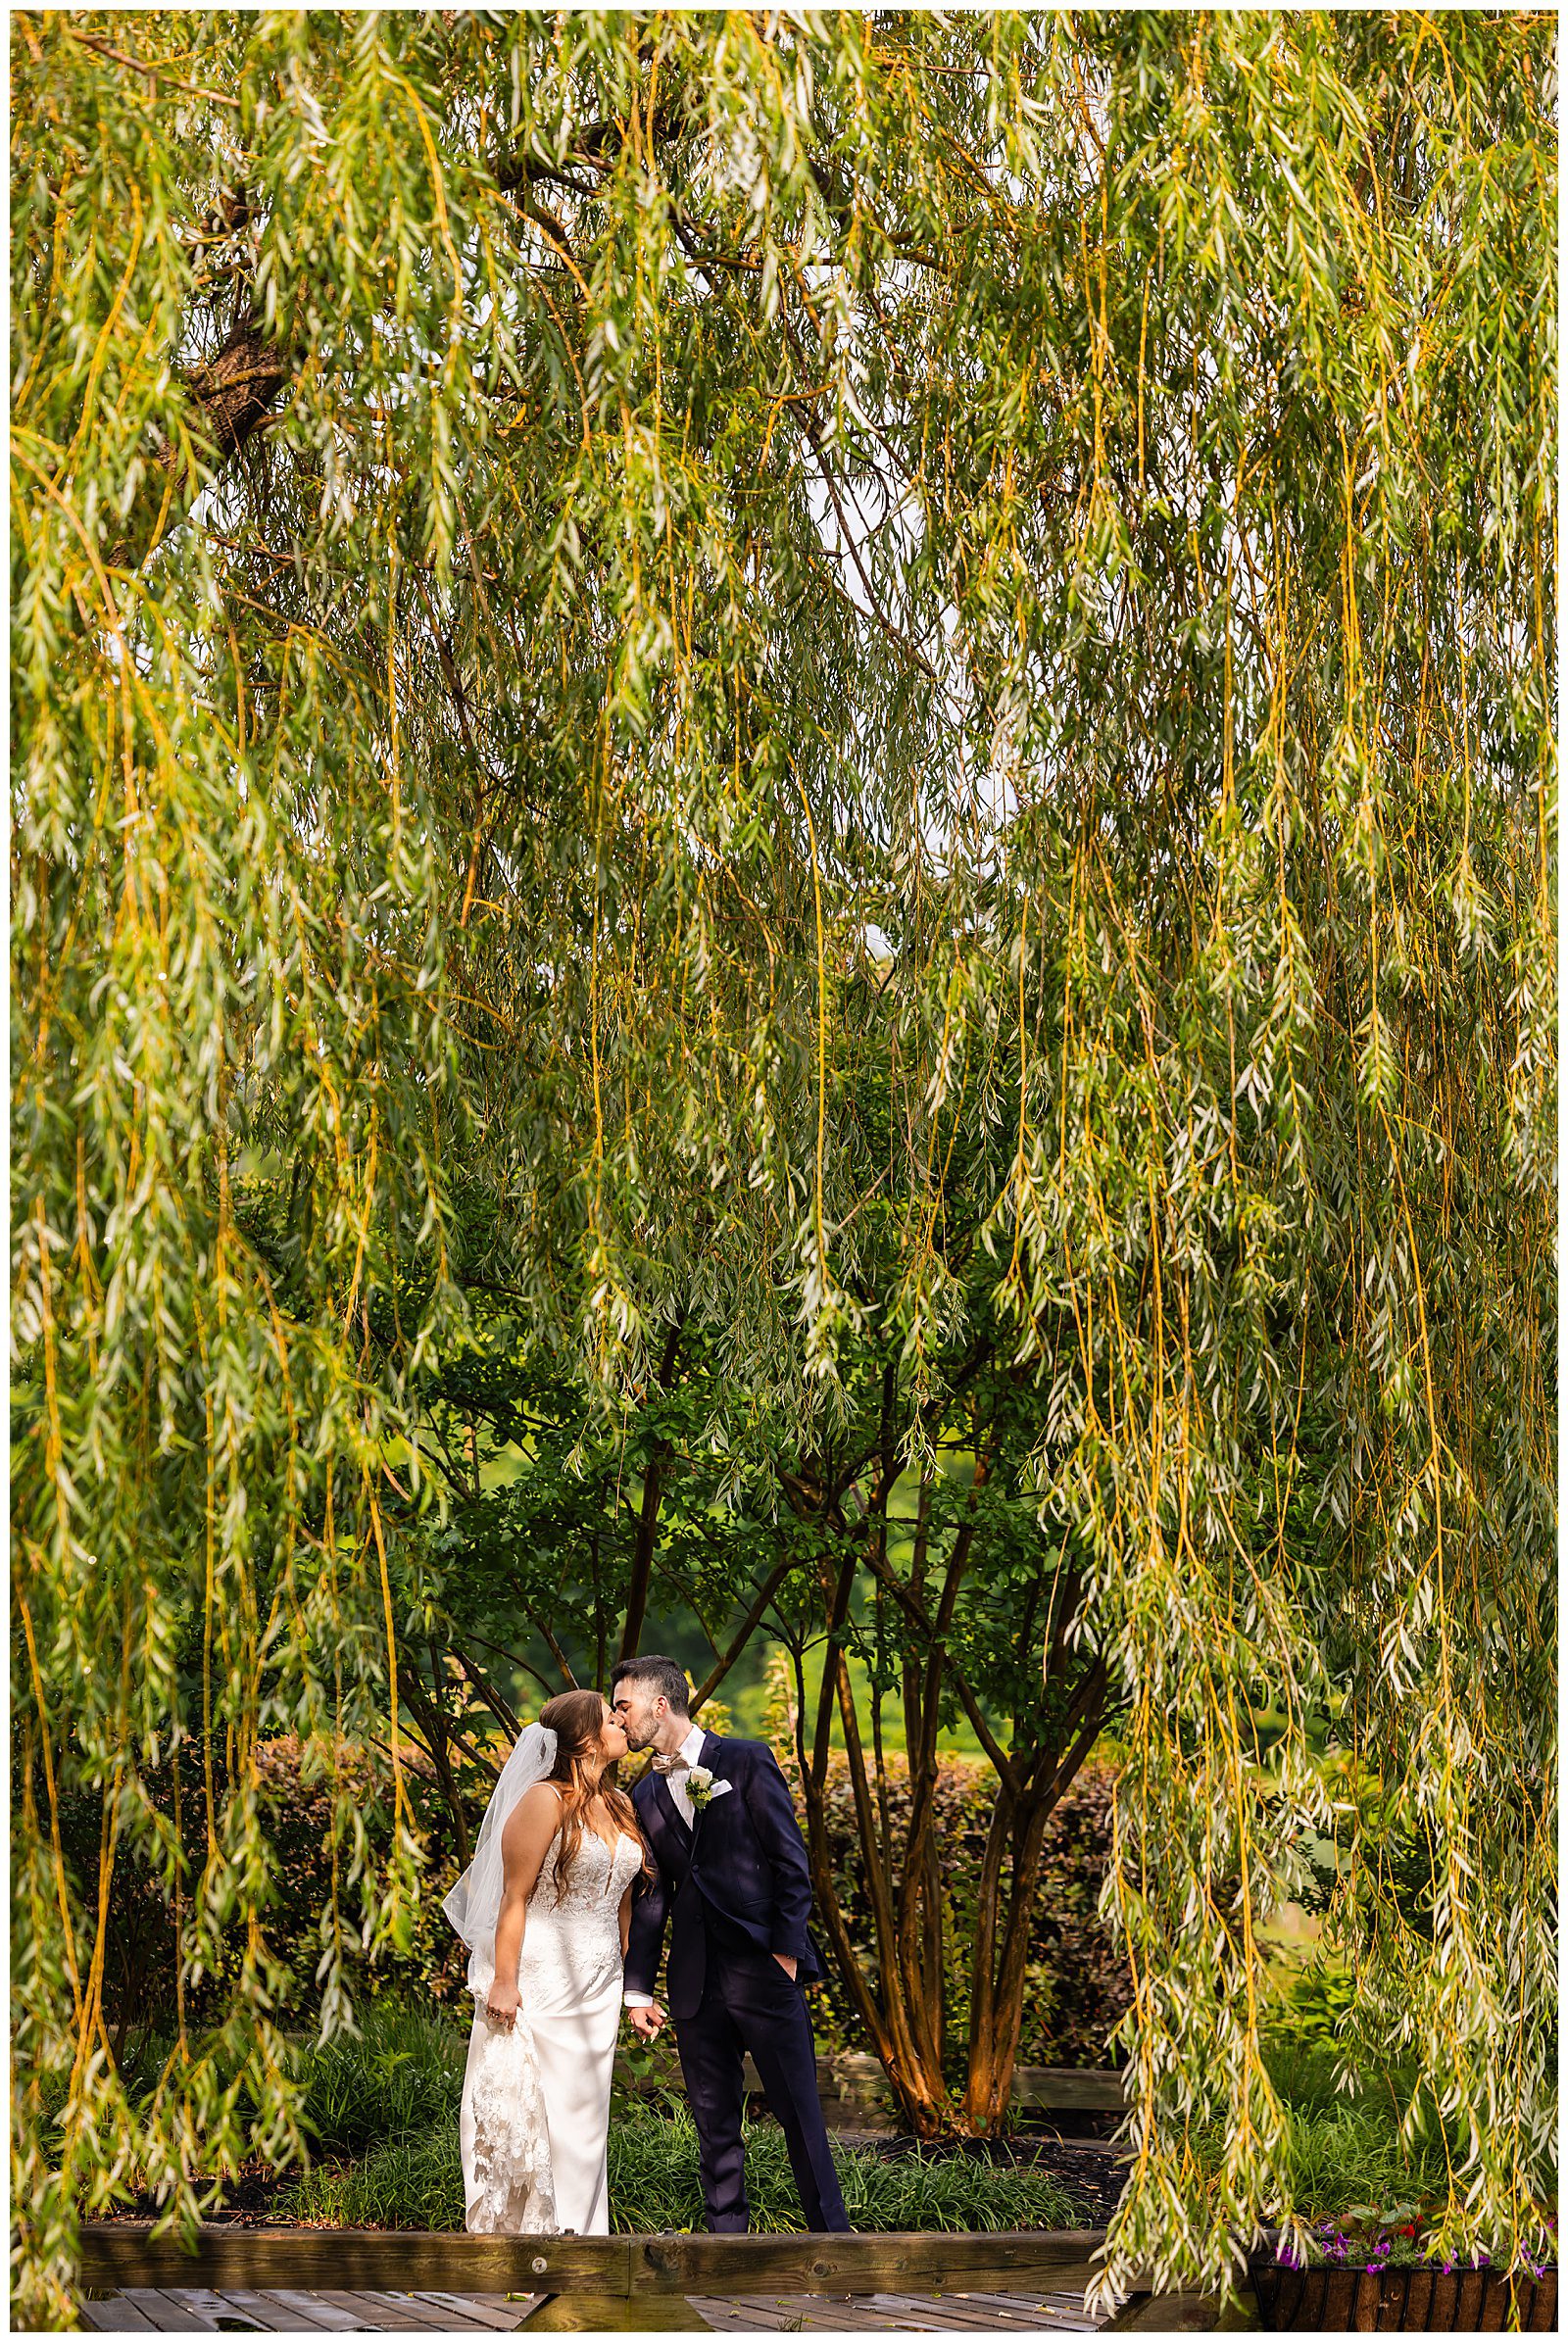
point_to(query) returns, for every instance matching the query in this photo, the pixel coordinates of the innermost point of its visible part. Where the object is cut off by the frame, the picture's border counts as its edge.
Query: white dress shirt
(690, 1753)
(690, 1750)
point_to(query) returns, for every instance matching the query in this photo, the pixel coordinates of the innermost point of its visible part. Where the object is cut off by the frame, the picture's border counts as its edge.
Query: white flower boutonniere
(702, 1789)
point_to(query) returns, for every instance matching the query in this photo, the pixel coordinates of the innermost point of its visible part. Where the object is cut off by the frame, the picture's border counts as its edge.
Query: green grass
(1341, 2151)
(1351, 2154)
(416, 2182)
(402, 2076)
(383, 2110)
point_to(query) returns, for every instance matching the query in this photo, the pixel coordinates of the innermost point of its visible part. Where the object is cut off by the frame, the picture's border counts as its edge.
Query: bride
(544, 1907)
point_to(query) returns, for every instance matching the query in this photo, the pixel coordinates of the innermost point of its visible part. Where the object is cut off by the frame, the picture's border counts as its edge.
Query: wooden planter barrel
(1408, 2301)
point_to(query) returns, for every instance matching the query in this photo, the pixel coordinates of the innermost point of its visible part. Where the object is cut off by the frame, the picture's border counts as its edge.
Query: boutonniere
(702, 1789)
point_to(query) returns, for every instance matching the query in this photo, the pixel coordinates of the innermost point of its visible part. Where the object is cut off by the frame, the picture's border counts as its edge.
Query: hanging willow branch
(439, 864)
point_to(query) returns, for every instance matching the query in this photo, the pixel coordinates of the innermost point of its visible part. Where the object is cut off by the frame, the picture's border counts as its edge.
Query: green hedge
(1078, 1984)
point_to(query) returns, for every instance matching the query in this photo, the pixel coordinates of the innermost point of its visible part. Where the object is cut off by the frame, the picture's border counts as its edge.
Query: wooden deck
(896, 2313)
(291, 2310)
(211, 2309)
(325, 2280)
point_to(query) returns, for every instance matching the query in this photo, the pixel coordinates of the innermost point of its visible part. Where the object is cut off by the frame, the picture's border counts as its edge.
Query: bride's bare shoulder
(536, 1816)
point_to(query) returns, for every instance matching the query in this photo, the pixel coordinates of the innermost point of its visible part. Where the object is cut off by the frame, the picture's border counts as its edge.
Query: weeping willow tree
(550, 554)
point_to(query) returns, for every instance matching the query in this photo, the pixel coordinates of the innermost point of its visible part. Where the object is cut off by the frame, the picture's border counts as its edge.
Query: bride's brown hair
(576, 1718)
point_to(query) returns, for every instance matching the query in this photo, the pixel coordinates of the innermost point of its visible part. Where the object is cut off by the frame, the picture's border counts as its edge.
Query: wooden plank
(491, 2310)
(116, 2254)
(117, 2316)
(1060, 2311)
(827, 2313)
(169, 2313)
(203, 2303)
(1010, 2313)
(909, 2317)
(389, 2312)
(1184, 2313)
(1006, 2312)
(930, 2313)
(364, 2311)
(1069, 2089)
(448, 2313)
(868, 2312)
(582, 2313)
(837, 2314)
(314, 2309)
(728, 2317)
(268, 2313)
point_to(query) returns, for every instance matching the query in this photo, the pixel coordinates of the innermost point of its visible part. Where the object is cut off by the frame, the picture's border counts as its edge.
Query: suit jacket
(741, 1870)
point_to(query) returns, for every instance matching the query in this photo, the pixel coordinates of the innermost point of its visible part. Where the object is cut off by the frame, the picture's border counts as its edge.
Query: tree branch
(642, 1562)
(746, 1630)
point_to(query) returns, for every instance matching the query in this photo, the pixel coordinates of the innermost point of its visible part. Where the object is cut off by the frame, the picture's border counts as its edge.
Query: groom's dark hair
(665, 1678)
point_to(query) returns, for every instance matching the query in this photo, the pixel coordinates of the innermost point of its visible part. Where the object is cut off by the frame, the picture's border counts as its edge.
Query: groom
(734, 1883)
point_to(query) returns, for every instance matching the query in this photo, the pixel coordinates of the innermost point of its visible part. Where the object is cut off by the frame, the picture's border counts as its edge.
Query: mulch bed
(249, 2198)
(1092, 2174)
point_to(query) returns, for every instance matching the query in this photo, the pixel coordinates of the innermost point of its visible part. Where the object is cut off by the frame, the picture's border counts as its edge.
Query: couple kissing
(566, 1907)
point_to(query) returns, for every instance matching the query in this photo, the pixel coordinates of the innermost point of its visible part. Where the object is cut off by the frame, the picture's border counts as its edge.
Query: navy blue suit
(733, 1890)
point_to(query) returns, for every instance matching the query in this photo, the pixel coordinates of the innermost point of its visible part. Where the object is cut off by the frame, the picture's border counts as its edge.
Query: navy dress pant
(749, 2003)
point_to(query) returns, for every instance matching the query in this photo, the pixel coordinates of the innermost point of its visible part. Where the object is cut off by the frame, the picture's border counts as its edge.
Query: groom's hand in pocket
(788, 1962)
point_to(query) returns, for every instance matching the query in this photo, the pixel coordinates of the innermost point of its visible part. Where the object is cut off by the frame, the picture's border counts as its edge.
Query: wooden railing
(641, 2273)
(116, 2254)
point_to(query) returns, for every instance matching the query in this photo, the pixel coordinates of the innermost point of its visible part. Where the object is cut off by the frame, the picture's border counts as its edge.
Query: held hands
(647, 2024)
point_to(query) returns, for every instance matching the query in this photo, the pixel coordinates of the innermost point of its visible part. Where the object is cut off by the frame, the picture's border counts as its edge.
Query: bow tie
(672, 1764)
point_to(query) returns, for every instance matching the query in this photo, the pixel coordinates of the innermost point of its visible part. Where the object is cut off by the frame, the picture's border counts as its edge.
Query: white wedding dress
(536, 2100)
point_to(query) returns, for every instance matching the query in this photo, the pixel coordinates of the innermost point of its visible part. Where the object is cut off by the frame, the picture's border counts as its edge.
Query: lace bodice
(582, 1924)
(598, 1877)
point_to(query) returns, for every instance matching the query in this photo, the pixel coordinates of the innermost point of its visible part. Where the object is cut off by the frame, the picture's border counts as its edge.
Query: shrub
(1079, 1983)
(139, 1951)
(1311, 2000)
